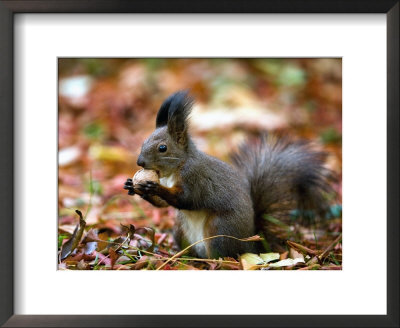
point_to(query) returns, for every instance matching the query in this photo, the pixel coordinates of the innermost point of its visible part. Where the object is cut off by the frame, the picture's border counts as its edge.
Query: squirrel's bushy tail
(284, 176)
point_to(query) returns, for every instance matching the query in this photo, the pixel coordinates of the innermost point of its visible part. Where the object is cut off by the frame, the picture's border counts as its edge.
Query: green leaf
(61, 237)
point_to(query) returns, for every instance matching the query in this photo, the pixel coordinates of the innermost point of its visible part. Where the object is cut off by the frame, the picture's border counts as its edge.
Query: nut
(145, 175)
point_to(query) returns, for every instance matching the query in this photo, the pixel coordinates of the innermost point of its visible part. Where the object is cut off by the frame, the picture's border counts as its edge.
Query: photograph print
(199, 164)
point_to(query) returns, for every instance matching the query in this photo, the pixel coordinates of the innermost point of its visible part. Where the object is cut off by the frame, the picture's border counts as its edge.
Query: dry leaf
(269, 257)
(285, 263)
(250, 261)
(71, 244)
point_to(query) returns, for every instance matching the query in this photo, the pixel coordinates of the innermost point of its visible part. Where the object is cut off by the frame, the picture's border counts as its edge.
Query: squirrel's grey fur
(269, 177)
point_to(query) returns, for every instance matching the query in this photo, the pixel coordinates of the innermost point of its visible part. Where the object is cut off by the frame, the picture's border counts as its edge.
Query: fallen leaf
(113, 256)
(104, 260)
(250, 261)
(70, 228)
(82, 265)
(295, 254)
(141, 263)
(123, 259)
(149, 232)
(287, 262)
(90, 247)
(71, 244)
(269, 257)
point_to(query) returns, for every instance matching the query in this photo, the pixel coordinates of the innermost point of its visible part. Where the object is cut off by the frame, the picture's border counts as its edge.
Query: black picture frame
(7, 11)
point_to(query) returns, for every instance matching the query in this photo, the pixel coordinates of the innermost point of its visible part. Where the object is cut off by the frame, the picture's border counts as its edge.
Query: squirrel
(213, 198)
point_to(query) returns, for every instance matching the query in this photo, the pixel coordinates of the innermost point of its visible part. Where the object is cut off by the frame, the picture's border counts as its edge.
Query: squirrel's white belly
(192, 221)
(193, 229)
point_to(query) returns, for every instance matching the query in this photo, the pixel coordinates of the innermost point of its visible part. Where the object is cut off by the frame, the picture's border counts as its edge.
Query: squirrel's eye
(162, 148)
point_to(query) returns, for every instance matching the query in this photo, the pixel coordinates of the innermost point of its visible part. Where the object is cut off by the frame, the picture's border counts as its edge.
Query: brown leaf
(90, 236)
(104, 235)
(104, 259)
(142, 263)
(121, 267)
(71, 244)
(113, 256)
(150, 233)
(284, 256)
(130, 230)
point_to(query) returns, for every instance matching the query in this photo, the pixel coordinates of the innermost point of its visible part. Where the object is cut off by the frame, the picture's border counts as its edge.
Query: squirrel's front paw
(148, 187)
(129, 186)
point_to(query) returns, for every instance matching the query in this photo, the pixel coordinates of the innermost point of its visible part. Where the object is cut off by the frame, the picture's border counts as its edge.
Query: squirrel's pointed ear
(162, 115)
(179, 109)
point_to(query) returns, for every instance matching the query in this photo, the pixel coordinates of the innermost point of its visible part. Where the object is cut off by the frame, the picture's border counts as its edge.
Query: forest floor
(107, 108)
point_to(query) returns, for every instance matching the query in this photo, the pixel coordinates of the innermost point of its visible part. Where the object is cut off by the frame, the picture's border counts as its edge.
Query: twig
(330, 247)
(302, 248)
(325, 253)
(161, 257)
(202, 240)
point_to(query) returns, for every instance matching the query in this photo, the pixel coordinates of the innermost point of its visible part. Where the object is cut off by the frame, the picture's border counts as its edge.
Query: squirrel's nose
(140, 161)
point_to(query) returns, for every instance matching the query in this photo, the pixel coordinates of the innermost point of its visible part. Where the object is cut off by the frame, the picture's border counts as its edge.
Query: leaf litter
(102, 127)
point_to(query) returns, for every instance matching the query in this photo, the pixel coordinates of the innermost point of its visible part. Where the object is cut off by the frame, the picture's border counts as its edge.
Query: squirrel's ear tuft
(174, 113)
(162, 115)
(178, 113)
(179, 103)
(180, 106)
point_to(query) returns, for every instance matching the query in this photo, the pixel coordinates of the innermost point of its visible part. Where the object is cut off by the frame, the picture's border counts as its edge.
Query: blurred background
(107, 108)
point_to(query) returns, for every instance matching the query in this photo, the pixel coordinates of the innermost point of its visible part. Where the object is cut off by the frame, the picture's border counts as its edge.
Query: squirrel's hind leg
(224, 246)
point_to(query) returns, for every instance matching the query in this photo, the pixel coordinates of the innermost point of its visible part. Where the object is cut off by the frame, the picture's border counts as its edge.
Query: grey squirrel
(214, 198)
